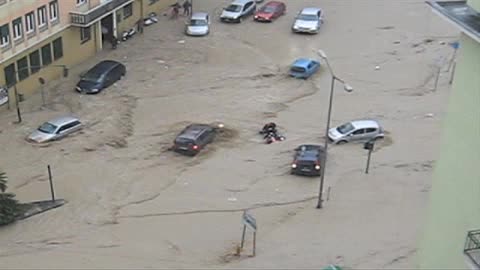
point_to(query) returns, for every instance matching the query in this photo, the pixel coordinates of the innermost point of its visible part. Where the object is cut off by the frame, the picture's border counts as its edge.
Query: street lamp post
(347, 88)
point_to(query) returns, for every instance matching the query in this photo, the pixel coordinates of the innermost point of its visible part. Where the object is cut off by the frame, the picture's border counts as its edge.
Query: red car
(270, 11)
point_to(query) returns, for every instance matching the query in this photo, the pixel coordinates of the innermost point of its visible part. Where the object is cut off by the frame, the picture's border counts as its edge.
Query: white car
(308, 20)
(55, 129)
(359, 130)
(198, 25)
(237, 10)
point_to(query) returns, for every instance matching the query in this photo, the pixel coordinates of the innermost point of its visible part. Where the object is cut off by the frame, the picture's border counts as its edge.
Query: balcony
(84, 19)
(472, 248)
(460, 14)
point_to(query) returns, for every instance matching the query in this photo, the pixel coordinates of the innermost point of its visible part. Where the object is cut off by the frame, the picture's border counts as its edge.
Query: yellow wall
(73, 53)
(129, 22)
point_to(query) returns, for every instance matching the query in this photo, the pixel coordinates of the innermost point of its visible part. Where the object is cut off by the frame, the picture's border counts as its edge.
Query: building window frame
(22, 68)
(10, 76)
(4, 35)
(42, 16)
(35, 62)
(57, 46)
(17, 26)
(81, 2)
(30, 22)
(46, 52)
(85, 34)
(53, 10)
(127, 10)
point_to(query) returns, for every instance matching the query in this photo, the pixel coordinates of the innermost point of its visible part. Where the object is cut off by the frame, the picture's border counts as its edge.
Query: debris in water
(232, 199)
(181, 41)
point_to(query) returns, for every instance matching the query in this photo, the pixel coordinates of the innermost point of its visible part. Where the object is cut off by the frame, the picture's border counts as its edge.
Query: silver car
(198, 25)
(308, 20)
(237, 10)
(360, 130)
(55, 129)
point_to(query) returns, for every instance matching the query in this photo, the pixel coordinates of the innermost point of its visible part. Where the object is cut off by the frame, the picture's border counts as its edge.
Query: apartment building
(452, 232)
(38, 37)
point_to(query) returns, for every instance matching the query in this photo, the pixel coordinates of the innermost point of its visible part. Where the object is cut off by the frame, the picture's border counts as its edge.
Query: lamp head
(348, 87)
(322, 54)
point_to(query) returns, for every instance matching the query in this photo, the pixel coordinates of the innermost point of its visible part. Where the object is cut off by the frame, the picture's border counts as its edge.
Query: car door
(370, 133)
(357, 135)
(309, 69)
(63, 131)
(246, 8)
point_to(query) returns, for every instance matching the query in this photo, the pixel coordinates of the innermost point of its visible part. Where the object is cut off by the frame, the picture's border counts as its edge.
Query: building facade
(38, 37)
(452, 232)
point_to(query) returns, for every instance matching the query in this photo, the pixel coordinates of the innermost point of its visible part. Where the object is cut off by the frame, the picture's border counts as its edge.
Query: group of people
(270, 133)
(187, 8)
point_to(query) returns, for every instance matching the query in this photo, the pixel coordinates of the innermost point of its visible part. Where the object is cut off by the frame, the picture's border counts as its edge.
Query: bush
(9, 207)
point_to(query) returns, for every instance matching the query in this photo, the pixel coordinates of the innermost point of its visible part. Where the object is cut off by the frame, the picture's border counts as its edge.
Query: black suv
(307, 160)
(193, 138)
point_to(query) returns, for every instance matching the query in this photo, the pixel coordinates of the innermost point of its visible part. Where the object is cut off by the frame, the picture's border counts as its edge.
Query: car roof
(103, 66)
(193, 130)
(273, 3)
(365, 124)
(310, 10)
(62, 120)
(312, 153)
(199, 16)
(302, 62)
(240, 2)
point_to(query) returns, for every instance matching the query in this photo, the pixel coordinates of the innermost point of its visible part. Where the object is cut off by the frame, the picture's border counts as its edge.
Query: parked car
(303, 68)
(55, 129)
(237, 10)
(359, 130)
(198, 25)
(101, 76)
(307, 160)
(308, 20)
(193, 138)
(270, 11)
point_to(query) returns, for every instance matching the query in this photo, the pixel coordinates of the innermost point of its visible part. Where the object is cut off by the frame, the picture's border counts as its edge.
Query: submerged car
(237, 10)
(303, 68)
(307, 160)
(308, 20)
(359, 130)
(55, 129)
(101, 76)
(193, 138)
(270, 11)
(198, 25)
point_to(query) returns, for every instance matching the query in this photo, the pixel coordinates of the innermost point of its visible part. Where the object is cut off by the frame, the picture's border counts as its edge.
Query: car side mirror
(350, 135)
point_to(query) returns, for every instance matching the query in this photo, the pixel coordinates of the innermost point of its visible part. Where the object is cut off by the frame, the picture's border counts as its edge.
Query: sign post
(250, 222)
(369, 146)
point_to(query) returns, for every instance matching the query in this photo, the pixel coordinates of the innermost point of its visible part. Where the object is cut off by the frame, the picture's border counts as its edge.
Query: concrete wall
(129, 22)
(455, 196)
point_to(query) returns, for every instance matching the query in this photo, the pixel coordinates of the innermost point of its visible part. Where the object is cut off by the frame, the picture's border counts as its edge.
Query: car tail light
(195, 147)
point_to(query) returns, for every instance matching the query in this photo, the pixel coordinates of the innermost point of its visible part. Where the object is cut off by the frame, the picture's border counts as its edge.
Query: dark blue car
(303, 68)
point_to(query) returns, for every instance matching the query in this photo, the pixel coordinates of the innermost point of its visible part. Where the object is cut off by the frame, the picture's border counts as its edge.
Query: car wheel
(240, 19)
(342, 142)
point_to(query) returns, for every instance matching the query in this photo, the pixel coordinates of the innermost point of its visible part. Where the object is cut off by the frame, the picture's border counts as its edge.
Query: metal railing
(90, 16)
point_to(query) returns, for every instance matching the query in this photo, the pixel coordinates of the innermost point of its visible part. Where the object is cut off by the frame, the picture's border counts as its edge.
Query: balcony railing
(84, 19)
(472, 248)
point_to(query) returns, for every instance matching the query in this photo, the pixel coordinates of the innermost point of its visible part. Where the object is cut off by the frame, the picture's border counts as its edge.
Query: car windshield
(345, 128)
(198, 22)
(297, 69)
(268, 9)
(307, 17)
(47, 128)
(234, 8)
(92, 77)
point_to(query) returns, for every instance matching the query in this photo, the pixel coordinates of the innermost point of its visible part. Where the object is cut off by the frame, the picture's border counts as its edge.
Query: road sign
(249, 221)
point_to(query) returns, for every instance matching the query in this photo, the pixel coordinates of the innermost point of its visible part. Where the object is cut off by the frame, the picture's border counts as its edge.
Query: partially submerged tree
(9, 207)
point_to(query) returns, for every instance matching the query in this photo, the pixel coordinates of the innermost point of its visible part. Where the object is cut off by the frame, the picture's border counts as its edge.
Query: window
(30, 22)
(42, 16)
(359, 132)
(35, 62)
(10, 78)
(81, 2)
(17, 28)
(4, 35)
(127, 11)
(369, 130)
(53, 10)
(22, 68)
(85, 34)
(46, 55)
(57, 48)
